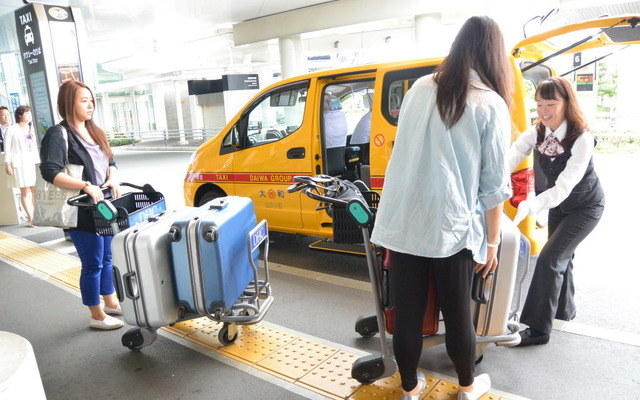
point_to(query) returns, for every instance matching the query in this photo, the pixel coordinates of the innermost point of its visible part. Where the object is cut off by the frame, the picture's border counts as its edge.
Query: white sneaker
(113, 311)
(481, 385)
(107, 323)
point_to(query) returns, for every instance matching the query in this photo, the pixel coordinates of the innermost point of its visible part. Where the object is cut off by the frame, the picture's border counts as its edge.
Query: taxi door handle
(296, 153)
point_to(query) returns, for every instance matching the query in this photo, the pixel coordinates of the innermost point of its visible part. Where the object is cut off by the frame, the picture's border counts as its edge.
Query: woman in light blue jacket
(442, 198)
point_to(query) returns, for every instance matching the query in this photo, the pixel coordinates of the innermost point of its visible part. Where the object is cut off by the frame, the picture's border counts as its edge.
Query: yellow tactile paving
(256, 342)
(36, 257)
(387, 389)
(70, 277)
(297, 358)
(314, 366)
(185, 328)
(333, 376)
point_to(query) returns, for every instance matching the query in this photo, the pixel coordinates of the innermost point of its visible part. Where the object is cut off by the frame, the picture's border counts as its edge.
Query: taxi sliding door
(273, 145)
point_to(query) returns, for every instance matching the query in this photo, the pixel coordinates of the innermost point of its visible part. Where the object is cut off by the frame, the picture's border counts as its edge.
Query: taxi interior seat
(335, 164)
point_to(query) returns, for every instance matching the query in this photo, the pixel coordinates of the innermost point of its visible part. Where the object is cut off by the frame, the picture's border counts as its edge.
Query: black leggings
(409, 280)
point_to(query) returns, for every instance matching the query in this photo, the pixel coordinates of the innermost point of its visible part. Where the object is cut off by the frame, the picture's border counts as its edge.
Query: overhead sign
(240, 82)
(34, 66)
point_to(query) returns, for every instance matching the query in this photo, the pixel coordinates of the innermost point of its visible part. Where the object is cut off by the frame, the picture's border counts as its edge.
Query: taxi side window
(394, 88)
(270, 118)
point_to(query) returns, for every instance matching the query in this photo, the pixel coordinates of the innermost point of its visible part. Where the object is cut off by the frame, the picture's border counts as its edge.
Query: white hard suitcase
(493, 296)
(144, 273)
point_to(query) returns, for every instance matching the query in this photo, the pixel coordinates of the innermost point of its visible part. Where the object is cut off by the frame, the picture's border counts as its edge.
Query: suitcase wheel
(367, 326)
(137, 338)
(228, 336)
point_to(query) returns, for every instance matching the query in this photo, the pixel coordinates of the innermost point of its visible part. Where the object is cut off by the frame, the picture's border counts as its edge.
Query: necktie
(551, 146)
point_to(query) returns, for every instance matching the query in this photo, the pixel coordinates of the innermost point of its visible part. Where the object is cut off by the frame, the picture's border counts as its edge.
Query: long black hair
(479, 46)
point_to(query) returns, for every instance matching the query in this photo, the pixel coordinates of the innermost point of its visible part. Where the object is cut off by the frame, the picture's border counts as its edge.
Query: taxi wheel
(210, 195)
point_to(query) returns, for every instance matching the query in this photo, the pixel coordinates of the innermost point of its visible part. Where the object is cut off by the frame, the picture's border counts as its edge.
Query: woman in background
(21, 158)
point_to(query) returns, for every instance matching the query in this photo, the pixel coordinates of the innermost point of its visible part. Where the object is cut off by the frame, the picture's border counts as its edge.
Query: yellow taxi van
(313, 124)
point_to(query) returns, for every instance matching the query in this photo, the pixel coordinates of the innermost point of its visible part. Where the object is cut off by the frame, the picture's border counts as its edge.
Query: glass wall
(13, 87)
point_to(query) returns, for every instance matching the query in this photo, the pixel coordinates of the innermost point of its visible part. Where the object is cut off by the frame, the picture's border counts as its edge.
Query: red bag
(432, 312)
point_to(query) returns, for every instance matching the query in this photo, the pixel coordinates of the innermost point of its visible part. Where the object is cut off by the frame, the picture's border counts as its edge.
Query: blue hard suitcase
(210, 252)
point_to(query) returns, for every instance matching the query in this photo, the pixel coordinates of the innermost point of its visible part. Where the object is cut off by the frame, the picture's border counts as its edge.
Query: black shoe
(530, 336)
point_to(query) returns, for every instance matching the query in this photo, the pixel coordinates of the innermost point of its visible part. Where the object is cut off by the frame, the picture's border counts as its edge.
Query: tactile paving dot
(333, 375)
(184, 328)
(297, 358)
(208, 334)
(443, 390)
(255, 343)
(33, 256)
(382, 389)
(70, 277)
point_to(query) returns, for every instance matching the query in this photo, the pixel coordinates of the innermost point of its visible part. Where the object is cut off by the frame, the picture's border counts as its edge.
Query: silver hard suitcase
(492, 303)
(144, 274)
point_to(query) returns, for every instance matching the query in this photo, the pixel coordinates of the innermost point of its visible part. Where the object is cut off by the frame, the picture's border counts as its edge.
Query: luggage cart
(111, 216)
(343, 194)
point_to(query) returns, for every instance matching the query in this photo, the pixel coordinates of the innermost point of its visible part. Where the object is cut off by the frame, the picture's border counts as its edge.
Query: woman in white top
(21, 158)
(442, 198)
(563, 149)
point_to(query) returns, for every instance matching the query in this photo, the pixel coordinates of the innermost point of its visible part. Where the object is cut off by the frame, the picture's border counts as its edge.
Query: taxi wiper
(633, 22)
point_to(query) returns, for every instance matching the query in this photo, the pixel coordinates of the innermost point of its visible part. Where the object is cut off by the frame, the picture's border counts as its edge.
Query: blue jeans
(96, 276)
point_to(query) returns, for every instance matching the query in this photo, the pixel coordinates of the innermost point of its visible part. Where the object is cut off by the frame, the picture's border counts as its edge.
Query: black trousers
(551, 292)
(409, 280)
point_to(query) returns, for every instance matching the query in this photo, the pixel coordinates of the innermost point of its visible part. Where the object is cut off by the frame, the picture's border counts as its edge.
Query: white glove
(524, 210)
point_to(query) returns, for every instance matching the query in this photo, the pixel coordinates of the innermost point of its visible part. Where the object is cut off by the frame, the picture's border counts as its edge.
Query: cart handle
(81, 199)
(327, 189)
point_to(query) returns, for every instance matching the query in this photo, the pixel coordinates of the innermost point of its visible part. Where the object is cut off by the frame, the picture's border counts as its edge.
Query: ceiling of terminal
(138, 37)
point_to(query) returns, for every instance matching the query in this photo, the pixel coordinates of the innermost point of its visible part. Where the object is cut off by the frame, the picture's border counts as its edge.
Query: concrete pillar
(291, 59)
(107, 117)
(428, 36)
(178, 99)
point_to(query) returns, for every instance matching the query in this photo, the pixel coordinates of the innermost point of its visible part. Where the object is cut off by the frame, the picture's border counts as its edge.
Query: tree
(607, 82)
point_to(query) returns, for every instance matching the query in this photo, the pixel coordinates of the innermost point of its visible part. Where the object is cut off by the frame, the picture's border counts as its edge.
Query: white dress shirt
(581, 153)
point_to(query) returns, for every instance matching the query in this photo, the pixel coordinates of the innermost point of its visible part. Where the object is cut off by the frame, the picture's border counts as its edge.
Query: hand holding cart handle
(104, 207)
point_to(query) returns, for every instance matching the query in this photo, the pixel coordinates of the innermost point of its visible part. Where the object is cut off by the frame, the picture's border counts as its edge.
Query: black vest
(587, 192)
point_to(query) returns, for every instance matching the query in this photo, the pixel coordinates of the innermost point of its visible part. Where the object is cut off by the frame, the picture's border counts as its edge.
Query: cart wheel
(367, 326)
(368, 369)
(223, 336)
(137, 338)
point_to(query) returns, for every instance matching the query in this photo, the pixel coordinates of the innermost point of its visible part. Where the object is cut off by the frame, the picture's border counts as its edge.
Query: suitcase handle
(477, 290)
(117, 283)
(219, 204)
(131, 285)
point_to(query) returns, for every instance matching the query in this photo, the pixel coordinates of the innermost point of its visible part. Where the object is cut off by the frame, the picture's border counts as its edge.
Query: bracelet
(493, 245)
